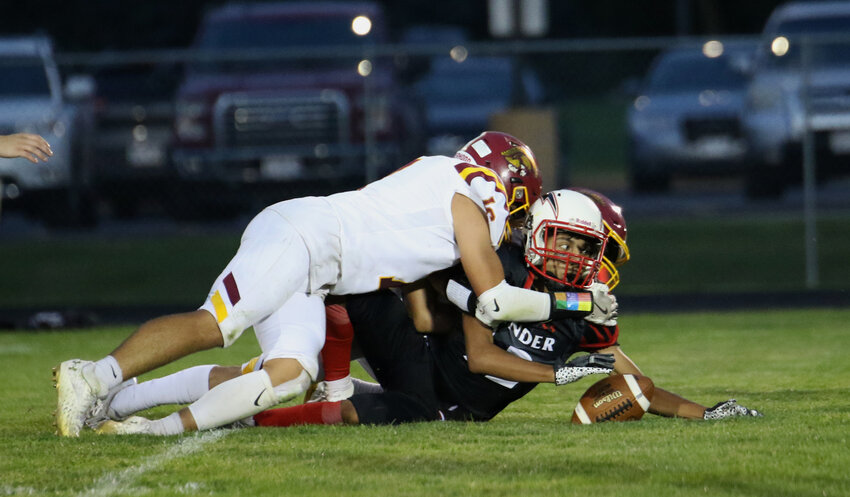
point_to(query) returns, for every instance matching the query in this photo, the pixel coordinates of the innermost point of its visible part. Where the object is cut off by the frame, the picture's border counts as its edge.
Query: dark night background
(94, 25)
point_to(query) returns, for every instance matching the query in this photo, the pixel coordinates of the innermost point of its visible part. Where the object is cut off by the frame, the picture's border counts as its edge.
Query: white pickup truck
(34, 100)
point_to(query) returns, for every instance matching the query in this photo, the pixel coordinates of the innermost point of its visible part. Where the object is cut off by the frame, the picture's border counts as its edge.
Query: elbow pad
(504, 302)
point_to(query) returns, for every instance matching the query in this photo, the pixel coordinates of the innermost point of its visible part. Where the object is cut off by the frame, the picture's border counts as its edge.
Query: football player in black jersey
(605, 339)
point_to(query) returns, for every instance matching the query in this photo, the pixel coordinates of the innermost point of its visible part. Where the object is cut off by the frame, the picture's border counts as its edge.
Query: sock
(317, 413)
(169, 425)
(182, 387)
(108, 372)
(343, 387)
(361, 386)
(336, 354)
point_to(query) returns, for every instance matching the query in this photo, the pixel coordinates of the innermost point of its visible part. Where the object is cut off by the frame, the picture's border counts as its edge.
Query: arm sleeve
(504, 302)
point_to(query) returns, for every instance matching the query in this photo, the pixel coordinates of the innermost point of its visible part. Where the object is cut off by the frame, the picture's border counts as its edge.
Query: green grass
(746, 254)
(792, 365)
(668, 256)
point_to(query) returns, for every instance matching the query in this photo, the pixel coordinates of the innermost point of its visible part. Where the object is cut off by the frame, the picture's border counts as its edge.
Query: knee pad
(288, 390)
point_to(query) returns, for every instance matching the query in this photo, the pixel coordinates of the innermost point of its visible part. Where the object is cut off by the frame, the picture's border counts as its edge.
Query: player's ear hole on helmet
(612, 251)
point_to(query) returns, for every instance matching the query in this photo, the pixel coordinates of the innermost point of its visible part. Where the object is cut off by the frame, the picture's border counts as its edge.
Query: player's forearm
(508, 303)
(483, 357)
(670, 405)
(496, 362)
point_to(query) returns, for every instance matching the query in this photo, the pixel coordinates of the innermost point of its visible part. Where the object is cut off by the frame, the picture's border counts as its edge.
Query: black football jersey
(552, 342)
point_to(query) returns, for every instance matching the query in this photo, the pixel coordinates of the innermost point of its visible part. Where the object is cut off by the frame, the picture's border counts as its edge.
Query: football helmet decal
(616, 250)
(565, 239)
(513, 161)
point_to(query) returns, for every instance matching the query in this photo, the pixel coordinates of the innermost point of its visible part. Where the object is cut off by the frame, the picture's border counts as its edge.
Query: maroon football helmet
(512, 161)
(616, 250)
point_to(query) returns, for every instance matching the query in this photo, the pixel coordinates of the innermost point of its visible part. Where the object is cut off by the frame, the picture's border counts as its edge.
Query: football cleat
(729, 409)
(332, 392)
(102, 409)
(75, 397)
(130, 426)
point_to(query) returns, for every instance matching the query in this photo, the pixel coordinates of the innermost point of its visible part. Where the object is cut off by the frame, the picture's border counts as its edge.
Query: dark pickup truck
(289, 99)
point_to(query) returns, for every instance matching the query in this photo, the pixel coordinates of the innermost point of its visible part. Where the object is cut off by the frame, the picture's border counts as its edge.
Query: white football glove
(605, 306)
(729, 409)
(583, 366)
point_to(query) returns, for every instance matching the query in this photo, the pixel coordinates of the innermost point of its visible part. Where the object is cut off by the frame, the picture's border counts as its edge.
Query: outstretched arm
(664, 403)
(27, 145)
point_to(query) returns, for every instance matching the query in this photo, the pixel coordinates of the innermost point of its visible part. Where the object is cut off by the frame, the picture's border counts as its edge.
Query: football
(622, 397)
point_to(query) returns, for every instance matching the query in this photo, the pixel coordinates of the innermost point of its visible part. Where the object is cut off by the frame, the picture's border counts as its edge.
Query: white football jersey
(395, 230)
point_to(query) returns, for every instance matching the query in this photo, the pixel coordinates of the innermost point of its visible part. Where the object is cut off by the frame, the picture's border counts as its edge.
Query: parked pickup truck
(34, 100)
(285, 99)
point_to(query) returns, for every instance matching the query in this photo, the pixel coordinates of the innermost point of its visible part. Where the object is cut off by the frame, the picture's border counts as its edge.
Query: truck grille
(301, 120)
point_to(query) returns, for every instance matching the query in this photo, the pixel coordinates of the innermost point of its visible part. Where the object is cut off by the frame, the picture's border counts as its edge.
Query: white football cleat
(102, 409)
(75, 396)
(130, 426)
(333, 391)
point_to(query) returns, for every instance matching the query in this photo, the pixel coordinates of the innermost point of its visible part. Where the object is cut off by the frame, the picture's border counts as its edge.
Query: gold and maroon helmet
(514, 163)
(616, 250)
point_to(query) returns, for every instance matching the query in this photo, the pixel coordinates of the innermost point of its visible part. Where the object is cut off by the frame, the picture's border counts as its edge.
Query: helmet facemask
(565, 239)
(569, 255)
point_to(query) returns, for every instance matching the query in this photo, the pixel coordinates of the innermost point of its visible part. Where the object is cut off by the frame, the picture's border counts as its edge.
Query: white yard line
(122, 481)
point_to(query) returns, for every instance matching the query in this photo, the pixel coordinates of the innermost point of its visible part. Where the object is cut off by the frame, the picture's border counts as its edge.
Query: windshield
(279, 33)
(830, 42)
(694, 72)
(23, 77)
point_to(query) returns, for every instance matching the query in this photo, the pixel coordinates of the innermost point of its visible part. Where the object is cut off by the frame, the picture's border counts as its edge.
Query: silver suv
(786, 81)
(33, 100)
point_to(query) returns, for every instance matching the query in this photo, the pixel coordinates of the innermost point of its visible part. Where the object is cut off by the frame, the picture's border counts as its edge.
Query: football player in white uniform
(427, 216)
(569, 245)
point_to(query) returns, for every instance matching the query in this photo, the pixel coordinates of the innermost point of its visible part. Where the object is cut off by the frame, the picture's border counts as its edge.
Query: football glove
(605, 306)
(582, 366)
(729, 409)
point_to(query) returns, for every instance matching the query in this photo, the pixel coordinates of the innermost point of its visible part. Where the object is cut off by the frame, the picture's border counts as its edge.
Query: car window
(474, 79)
(824, 52)
(23, 76)
(277, 33)
(274, 33)
(694, 72)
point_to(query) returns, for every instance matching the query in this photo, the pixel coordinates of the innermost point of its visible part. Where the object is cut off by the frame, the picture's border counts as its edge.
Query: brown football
(621, 397)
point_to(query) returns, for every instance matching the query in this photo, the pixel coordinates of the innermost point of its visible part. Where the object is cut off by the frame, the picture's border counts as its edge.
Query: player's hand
(583, 366)
(27, 145)
(605, 306)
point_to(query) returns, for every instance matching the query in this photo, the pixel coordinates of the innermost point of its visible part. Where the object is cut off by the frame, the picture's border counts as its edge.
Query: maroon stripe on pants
(232, 289)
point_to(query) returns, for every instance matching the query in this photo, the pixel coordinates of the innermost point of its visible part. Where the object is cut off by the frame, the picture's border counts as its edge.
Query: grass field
(792, 365)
